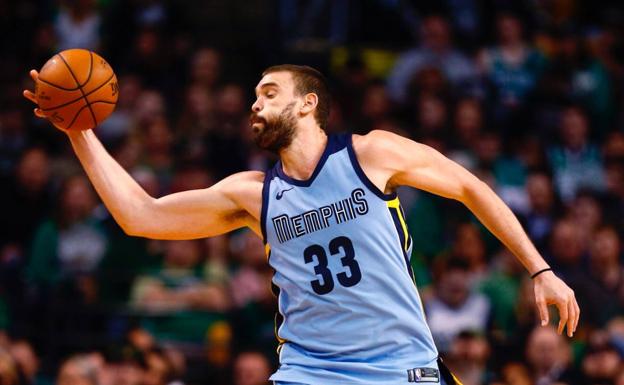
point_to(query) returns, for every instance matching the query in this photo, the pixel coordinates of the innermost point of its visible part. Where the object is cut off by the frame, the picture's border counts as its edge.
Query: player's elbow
(132, 230)
(137, 223)
(472, 188)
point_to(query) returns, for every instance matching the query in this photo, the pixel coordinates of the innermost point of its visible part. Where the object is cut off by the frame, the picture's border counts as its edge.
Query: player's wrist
(541, 272)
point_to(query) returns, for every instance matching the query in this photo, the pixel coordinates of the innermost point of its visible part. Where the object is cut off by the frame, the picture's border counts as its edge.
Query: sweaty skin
(387, 159)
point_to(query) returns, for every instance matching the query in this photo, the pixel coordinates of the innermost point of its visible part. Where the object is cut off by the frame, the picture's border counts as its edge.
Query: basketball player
(335, 233)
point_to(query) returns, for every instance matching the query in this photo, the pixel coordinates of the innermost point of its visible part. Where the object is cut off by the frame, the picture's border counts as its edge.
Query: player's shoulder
(375, 144)
(374, 137)
(243, 185)
(246, 177)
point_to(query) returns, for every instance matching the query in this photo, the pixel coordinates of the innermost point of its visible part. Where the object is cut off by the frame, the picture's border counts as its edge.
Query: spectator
(502, 288)
(602, 361)
(512, 68)
(253, 317)
(469, 246)
(149, 107)
(26, 200)
(197, 118)
(13, 138)
(566, 248)
(431, 119)
(68, 248)
(576, 162)
(576, 75)
(467, 128)
(613, 201)
(158, 149)
(436, 51)
(77, 25)
(206, 68)
(586, 212)
(455, 307)
(178, 283)
(375, 107)
(250, 282)
(468, 358)
(121, 123)
(145, 57)
(550, 358)
(504, 172)
(251, 368)
(607, 274)
(226, 151)
(543, 208)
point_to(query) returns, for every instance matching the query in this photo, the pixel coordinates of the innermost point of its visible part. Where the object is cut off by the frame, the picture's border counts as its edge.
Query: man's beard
(278, 131)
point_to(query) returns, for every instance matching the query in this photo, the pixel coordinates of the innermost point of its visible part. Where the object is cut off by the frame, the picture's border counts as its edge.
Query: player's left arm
(390, 160)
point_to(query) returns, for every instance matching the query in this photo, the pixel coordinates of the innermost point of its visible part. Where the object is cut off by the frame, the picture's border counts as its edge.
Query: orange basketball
(76, 89)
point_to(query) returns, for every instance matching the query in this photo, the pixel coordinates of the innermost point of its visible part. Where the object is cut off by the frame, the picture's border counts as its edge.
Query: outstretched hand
(28, 94)
(550, 290)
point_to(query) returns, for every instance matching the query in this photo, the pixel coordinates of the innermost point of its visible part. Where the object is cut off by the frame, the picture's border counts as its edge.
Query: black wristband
(540, 272)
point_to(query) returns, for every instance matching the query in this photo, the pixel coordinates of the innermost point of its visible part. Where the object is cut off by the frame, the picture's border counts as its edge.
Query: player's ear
(310, 101)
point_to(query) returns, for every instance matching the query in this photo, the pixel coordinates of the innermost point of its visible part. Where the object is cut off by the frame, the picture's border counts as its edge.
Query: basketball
(76, 89)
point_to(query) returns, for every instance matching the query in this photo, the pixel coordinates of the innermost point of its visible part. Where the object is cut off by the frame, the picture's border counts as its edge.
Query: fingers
(563, 315)
(578, 314)
(30, 96)
(543, 311)
(572, 317)
(39, 113)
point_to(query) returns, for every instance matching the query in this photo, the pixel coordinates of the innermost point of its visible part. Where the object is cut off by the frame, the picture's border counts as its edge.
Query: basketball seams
(76, 116)
(56, 86)
(81, 91)
(83, 107)
(90, 69)
(81, 97)
(102, 101)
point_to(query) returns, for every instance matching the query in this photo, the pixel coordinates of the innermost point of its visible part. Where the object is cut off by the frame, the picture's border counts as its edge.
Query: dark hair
(308, 80)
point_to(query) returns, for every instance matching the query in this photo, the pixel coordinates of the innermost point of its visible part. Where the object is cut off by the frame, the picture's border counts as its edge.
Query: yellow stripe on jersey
(457, 381)
(276, 327)
(395, 204)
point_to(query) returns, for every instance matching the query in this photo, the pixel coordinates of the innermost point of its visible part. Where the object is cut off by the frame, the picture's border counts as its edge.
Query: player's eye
(270, 95)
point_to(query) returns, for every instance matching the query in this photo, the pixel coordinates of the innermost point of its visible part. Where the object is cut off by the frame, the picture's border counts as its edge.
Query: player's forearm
(123, 196)
(501, 221)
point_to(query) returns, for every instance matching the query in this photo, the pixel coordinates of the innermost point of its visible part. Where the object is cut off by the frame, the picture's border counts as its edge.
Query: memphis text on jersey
(289, 227)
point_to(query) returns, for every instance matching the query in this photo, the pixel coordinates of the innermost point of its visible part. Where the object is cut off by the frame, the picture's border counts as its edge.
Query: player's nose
(257, 106)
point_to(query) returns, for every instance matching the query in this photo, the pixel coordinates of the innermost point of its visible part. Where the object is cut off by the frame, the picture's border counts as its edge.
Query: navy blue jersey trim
(399, 229)
(333, 145)
(268, 176)
(360, 173)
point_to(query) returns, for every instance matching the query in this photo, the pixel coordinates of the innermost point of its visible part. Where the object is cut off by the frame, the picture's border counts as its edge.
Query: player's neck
(300, 158)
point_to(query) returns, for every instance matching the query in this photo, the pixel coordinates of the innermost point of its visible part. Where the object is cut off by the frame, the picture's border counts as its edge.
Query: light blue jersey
(349, 311)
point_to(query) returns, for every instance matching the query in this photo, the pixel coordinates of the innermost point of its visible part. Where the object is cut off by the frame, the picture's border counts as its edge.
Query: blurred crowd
(525, 94)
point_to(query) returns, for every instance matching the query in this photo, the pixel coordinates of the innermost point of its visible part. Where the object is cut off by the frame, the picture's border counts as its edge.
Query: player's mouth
(256, 122)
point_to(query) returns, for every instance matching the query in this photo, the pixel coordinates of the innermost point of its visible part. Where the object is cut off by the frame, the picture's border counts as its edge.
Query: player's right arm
(184, 215)
(230, 204)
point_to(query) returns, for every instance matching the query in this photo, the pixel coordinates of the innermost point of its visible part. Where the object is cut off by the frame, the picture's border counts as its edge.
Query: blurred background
(528, 95)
